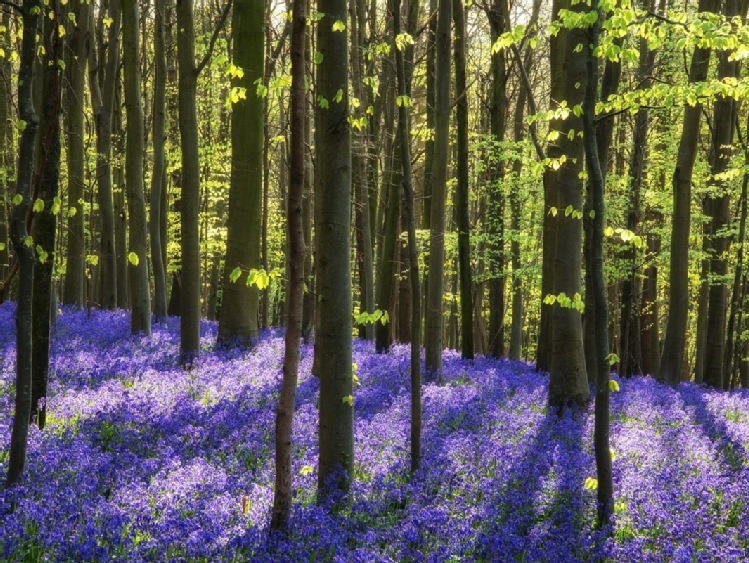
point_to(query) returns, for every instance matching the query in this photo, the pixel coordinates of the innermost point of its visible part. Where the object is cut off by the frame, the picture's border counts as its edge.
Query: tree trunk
(333, 244)
(158, 177)
(724, 120)
(18, 233)
(678, 304)
(239, 312)
(140, 298)
(405, 143)
(433, 339)
(461, 192)
(596, 164)
(45, 222)
(104, 64)
(7, 155)
(295, 231)
(120, 208)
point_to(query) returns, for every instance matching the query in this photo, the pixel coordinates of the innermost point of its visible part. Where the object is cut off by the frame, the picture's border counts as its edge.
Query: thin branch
(531, 101)
(214, 37)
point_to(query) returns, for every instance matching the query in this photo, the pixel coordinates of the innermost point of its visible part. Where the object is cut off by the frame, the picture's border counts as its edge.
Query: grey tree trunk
(140, 297)
(7, 154)
(333, 249)
(678, 304)
(240, 305)
(75, 69)
(433, 338)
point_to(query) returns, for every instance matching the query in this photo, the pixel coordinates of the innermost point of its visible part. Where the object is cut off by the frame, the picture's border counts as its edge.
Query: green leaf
(323, 102)
(339, 26)
(338, 96)
(613, 385)
(318, 57)
(39, 205)
(306, 470)
(568, 211)
(21, 124)
(72, 211)
(591, 484)
(28, 241)
(2, 246)
(17, 199)
(56, 203)
(92, 259)
(133, 259)
(348, 400)
(41, 253)
(235, 273)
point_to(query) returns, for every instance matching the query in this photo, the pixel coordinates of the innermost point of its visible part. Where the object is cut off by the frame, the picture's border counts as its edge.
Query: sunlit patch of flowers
(144, 461)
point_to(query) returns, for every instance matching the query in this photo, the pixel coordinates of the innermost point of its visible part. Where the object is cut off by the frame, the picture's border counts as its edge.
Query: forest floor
(144, 461)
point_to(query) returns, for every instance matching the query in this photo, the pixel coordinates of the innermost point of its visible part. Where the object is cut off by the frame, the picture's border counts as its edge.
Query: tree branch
(531, 101)
(214, 37)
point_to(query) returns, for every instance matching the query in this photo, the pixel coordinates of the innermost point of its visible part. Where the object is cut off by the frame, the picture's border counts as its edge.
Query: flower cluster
(145, 461)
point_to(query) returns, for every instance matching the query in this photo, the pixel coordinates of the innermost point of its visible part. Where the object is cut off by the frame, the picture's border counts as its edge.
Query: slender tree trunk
(433, 338)
(516, 329)
(18, 233)
(140, 296)
(461, 192)
(405, 143)
(678, 304)
(239, 316)
(7, 154)
(596, 178)
(158, 177)
(120, 206)
(45, 222)
(295, 231)
(332, 238)
(75, 69)
(103, 71)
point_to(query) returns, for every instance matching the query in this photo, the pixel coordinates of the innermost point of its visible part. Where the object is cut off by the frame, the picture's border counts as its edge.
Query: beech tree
(333, 347)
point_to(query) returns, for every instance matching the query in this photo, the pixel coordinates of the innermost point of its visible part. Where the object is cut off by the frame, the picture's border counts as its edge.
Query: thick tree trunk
(18, 233)
(678, 304)
(140, 297)
(295, 231)
(499, 20)
(569, 382)
(433, 338)
(239, 313)
(333, 248)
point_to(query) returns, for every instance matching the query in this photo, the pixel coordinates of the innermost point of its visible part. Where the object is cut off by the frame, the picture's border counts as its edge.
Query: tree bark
(462, 189)
(239, 313)
(295, 231)
(18, 234)
(140, 298)
(568, 383)
(158, 177)
(333, 223)
(433, 338)
(678, 304)
(75, 70)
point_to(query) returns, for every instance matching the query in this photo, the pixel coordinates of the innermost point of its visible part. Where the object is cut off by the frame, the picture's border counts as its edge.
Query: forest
(374, 281)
